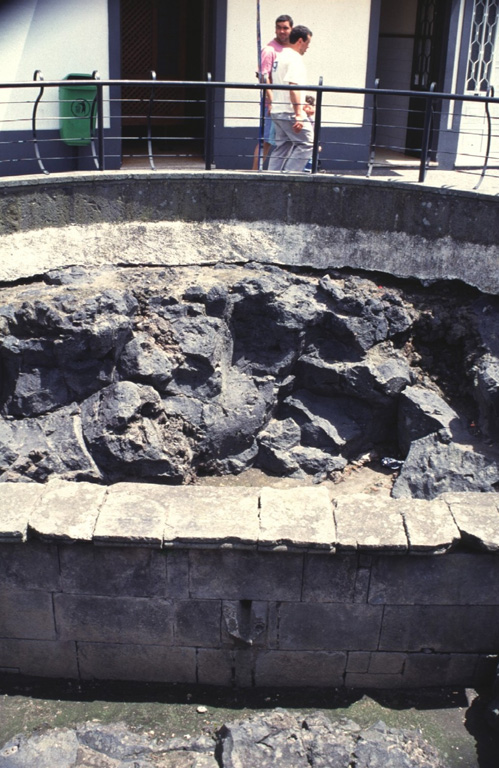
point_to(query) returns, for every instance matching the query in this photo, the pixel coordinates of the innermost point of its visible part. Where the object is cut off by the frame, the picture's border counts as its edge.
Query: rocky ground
(269, 740)
(364, 475)
(247, 376)
(452, 722)
(170, 375)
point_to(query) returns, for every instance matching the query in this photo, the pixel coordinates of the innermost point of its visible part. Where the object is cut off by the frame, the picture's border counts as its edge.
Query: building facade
(399, 44)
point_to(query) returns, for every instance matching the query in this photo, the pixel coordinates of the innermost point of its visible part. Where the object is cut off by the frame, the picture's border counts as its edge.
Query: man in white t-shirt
(294, 134)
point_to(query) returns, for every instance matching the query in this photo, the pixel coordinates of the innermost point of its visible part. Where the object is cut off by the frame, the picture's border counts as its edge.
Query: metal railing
(376, 117)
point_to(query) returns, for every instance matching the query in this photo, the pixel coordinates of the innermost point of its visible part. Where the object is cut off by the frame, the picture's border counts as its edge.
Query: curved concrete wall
(247, 586)
(183, 218)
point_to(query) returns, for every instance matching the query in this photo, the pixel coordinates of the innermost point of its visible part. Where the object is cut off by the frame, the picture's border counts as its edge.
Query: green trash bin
(75, 111)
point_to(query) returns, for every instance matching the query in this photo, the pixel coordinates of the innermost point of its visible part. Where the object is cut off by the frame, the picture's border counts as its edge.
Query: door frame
(431, 41)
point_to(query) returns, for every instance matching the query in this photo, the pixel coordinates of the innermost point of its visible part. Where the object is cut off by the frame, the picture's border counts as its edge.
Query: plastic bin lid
(77, 77)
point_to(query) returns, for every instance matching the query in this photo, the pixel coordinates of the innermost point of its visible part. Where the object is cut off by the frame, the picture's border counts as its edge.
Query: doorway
(172, 39)
(428, 62)
(411, 55)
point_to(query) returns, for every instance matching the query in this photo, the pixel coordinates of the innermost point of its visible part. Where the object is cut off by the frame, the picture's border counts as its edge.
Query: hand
(297, 125)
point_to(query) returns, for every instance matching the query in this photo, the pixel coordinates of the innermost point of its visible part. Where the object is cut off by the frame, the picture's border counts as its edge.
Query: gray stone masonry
(247, 586)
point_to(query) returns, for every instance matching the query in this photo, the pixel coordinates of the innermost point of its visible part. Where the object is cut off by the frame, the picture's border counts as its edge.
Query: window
(482, 41)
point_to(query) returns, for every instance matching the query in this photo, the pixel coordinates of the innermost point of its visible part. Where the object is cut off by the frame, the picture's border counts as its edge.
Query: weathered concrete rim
(301, 519)
(182, 218)
(35, 180)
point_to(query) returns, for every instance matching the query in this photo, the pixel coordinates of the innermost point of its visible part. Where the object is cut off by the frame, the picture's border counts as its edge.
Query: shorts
(268, 129)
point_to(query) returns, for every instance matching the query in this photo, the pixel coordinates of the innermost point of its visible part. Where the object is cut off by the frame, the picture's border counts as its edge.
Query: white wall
(58, 37)
(338, 51)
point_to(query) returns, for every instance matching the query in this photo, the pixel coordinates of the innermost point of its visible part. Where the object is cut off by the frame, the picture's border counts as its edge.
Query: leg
(283, 144)
(267, 142)
(265, 152)
(292, 150)
(301, 151)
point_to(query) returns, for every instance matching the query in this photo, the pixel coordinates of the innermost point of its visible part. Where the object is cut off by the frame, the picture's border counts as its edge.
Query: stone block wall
(247, 586)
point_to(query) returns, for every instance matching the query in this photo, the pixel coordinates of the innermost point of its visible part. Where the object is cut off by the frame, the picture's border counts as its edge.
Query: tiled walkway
(396, 167)
(400, 169)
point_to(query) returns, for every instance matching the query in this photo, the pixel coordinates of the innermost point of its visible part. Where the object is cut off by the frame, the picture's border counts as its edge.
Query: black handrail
(261, 124)
(490, 92)
(374, 127)
(149, 127)
(208, 124)
(431, 97)
(425, 143)
(37, 77)
(214, 84)
(100, 120)
(93, 111)
(317, 129)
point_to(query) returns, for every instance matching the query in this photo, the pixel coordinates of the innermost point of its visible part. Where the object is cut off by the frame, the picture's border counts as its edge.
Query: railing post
(100, 121)
(208, 127)
(490, 92)
(214, 112)
(425, 145)
(317, 126)
(149, 124)
(374, 127)
(261, 125)
(37, 76)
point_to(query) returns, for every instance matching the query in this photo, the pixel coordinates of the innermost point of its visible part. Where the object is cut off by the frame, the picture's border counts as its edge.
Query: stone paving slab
(67, 511)
(209, 516)
(133, 514)
(477, 517)
(17, 501)
(430, 526)
(296, 518)
(365, 523)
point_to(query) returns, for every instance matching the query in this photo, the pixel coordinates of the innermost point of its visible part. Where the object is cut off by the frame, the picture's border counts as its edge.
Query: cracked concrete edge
(302, 519)
(128, 220)
(190, 244)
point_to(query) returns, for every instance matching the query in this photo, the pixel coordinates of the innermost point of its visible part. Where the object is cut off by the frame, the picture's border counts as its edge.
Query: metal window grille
(423, 44)
(482, 41)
